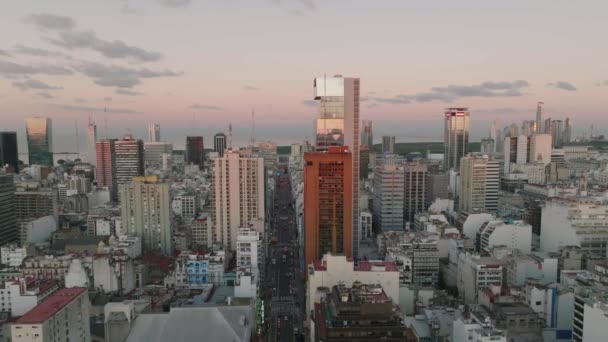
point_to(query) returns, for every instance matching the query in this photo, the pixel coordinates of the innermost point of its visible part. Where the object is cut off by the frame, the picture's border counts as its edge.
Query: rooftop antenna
(76, 128)
(105, 122)
(230, 136)
(252, 128)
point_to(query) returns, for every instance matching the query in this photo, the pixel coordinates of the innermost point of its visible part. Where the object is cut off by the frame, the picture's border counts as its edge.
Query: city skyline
(63, 61)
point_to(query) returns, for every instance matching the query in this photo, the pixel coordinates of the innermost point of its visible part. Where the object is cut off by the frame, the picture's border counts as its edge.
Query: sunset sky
(194, 66)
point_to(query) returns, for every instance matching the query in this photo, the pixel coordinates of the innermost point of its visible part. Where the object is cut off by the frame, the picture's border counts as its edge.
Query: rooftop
(50, 306)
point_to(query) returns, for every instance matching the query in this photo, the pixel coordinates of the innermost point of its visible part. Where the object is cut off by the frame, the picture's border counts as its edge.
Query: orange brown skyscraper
(328, 203)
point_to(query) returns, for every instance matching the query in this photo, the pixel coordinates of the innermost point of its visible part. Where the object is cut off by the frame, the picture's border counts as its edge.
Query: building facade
(39, 133)
(129, 159)
(328, 204)
(388, 201)
(455, 137)
(219, 144)
(237, 195)
(9, 231)
(195, 151)
(479, 184)
(338, 125)
(415, 182)
(9, 155)
(145, 208)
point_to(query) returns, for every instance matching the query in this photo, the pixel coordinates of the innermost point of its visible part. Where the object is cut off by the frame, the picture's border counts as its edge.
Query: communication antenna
(252, 128)
(326, 135)
(230, 136)
(76, 128)
(105, 122)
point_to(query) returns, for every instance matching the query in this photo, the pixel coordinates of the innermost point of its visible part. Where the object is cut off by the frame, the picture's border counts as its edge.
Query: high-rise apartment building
(145, 208)
(153, 132)
(237, 195)
(129, 159)
(9, 156)
(557, 132)
(388, 144)
(540, 121)
(195, 151)
(39, 141)
(8, 218)
(436, 187)
(567, 131)
(367, 135)
(91, 141)
(540, 148)
(328, 204)
(415, 182)
(106, 165)
(338, 125)
(515, 151)
(388, 207)
(219, 143)
(479, 183)
(455, 137)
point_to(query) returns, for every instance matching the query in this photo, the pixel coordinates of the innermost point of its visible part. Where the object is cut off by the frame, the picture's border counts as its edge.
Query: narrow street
(285, 283)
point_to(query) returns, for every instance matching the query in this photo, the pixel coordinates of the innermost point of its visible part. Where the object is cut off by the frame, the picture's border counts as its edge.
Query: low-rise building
(475, 273)
(333, 270)
(362, 312)
(20, 295)
(63, 316)
(12, 255)
(514, 235)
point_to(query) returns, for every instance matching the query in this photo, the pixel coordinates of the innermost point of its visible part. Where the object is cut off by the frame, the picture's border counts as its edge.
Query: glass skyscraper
(39, 141)
(8, 151)
(338, 125)
(456, 137)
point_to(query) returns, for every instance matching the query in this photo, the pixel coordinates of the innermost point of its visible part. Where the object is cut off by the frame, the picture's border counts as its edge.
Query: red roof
(50, 306)
(367, 266)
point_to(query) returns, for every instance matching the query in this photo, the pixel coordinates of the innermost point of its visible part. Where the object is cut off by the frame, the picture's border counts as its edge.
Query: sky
(194, 66)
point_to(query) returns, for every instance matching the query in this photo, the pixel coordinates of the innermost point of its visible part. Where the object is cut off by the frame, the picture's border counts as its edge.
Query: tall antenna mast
(76, 128)
(230, 136)
(252, 128)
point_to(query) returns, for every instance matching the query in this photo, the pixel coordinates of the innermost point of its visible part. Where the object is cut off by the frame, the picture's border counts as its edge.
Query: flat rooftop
(50, 306)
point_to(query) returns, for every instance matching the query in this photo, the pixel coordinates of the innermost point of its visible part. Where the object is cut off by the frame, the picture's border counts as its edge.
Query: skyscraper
(540, 121)
(154, 151)
(479, 183)
(414, 198)
(367, 136)
(328, 203)
(387, 204)
(145, 209)
(8, 219)
(129, 159)
(39, 141)
(91, 141)
(567, 131)
(388, 144)
(219, 143)
(237, 195)
(557, 132)
(338, 125)
(496, 135)
(195, 151)
(153, 132)
(106, 165)
(456, 137)
(9, 156)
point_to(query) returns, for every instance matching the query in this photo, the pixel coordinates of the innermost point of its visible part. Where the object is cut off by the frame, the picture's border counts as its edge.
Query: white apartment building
(479, 183)
(574, 222)
(146, 213)
(476, 273)
(18, 296)
(237, 195)
(249, 253)
(334, 270)
(63, 316)
(12, 255)
(521, 268)
(388, 201)
(514, 235)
